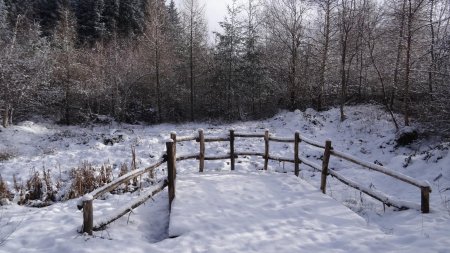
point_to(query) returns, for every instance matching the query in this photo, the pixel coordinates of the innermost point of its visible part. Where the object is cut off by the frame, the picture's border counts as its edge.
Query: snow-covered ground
(367, 133)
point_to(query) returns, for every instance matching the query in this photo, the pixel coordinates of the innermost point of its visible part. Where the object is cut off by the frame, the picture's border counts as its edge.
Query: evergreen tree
(229, 55)
(3, 24)
(3, 14)
(132, 15)
(47, 13)
(110, 17)
(89, 19)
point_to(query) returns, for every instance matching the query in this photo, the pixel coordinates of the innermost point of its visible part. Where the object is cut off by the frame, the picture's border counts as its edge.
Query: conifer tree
(89, 19)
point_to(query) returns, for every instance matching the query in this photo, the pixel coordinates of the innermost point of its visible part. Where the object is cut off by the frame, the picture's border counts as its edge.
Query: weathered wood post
(325, 162)
(232, 149)
(171, 169)
(88, 214)
(266, 150)
(296, 155)
(425, 199)
(173, 136)
(201, 138)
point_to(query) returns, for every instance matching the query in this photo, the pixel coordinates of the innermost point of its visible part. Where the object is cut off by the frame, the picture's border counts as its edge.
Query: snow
(248, 210)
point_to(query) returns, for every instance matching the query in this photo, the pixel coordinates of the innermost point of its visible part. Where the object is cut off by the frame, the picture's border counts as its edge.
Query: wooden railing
(171, 159)
(328, 150)
(86, 202)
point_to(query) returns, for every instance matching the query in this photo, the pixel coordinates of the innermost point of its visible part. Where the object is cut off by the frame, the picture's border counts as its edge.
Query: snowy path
(265, 212)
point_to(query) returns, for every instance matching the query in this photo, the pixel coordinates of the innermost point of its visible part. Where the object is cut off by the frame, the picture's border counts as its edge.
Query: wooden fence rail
(328, 150)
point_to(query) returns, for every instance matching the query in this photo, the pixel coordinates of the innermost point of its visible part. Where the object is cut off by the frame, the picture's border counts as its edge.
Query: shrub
(4, 191)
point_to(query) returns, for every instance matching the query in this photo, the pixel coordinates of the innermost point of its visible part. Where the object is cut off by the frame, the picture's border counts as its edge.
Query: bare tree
(285, 24)
(348, 14)
(326, 7)
(24, 61)
(413, 9)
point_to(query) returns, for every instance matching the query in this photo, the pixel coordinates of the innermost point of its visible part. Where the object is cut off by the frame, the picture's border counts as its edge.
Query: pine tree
(89, 19)
(47, 13)
(3, 14)
(110, 17)
(229, 54)
(132, 14)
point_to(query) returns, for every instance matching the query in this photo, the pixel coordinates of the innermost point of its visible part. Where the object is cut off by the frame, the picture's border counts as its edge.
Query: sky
(215, 11)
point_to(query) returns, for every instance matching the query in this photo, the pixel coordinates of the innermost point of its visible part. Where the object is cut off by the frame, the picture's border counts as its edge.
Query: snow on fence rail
(86, 203)
(425, 187)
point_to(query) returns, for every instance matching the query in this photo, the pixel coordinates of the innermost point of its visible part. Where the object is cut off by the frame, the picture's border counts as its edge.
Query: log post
(296, 154)
(201, 137)
(325, 162)
(171, 168)
(266, 150)
(173, 136)
(232, 158)
(425, 199)
(88, 214)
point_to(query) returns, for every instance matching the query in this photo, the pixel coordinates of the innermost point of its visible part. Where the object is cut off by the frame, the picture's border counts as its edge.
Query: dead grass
(4, 191)
(87, 178)
(6, 155)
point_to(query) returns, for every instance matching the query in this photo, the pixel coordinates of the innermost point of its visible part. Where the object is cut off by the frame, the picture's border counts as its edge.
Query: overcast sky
(215, 11)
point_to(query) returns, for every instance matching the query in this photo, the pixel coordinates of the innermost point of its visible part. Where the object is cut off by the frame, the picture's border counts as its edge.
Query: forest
(153, 61)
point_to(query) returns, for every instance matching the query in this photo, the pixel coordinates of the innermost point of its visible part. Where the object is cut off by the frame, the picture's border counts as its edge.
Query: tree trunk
(406, 95)
(191, 61)
(6, 117)
(343, 76)
(158, 84)
(324, 56)
(432, 53)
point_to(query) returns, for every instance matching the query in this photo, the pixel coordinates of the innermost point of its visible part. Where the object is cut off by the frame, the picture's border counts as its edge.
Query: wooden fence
(328, 152)
(171, 159)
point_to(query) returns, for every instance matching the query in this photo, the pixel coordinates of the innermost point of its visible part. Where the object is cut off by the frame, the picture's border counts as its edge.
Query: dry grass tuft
(4, 191)
(87, 178)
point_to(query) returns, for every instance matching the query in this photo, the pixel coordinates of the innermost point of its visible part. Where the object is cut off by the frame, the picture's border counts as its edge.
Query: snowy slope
(367, 134)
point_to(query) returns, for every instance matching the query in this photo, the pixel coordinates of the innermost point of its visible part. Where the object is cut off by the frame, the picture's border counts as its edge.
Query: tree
(89, 20)
(47, 12)
(156, 38)
(346, 24)
(285, 24)
(24, 61)
(66, 65)
(413, 8)
(254, 76)
(326, 8)
(194, 26)
(110, 18)
(132, 14)
(228, 54)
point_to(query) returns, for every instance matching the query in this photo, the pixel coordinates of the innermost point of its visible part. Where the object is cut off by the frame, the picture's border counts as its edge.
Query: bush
(5, 194)
(87, 178)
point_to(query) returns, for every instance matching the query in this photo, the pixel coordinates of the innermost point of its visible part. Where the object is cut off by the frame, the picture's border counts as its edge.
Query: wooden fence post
(171, 169)
(232, 148)
(296, 155)
(325, 162)
(201, 137)
(425, 199)
(173, 136)
(266, 150)
(88, 214)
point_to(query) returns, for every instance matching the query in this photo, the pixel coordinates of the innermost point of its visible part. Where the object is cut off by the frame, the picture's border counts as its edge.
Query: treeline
(152, 61)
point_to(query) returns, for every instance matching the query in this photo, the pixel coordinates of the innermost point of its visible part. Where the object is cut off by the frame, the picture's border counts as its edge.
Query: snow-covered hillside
(367, 133)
